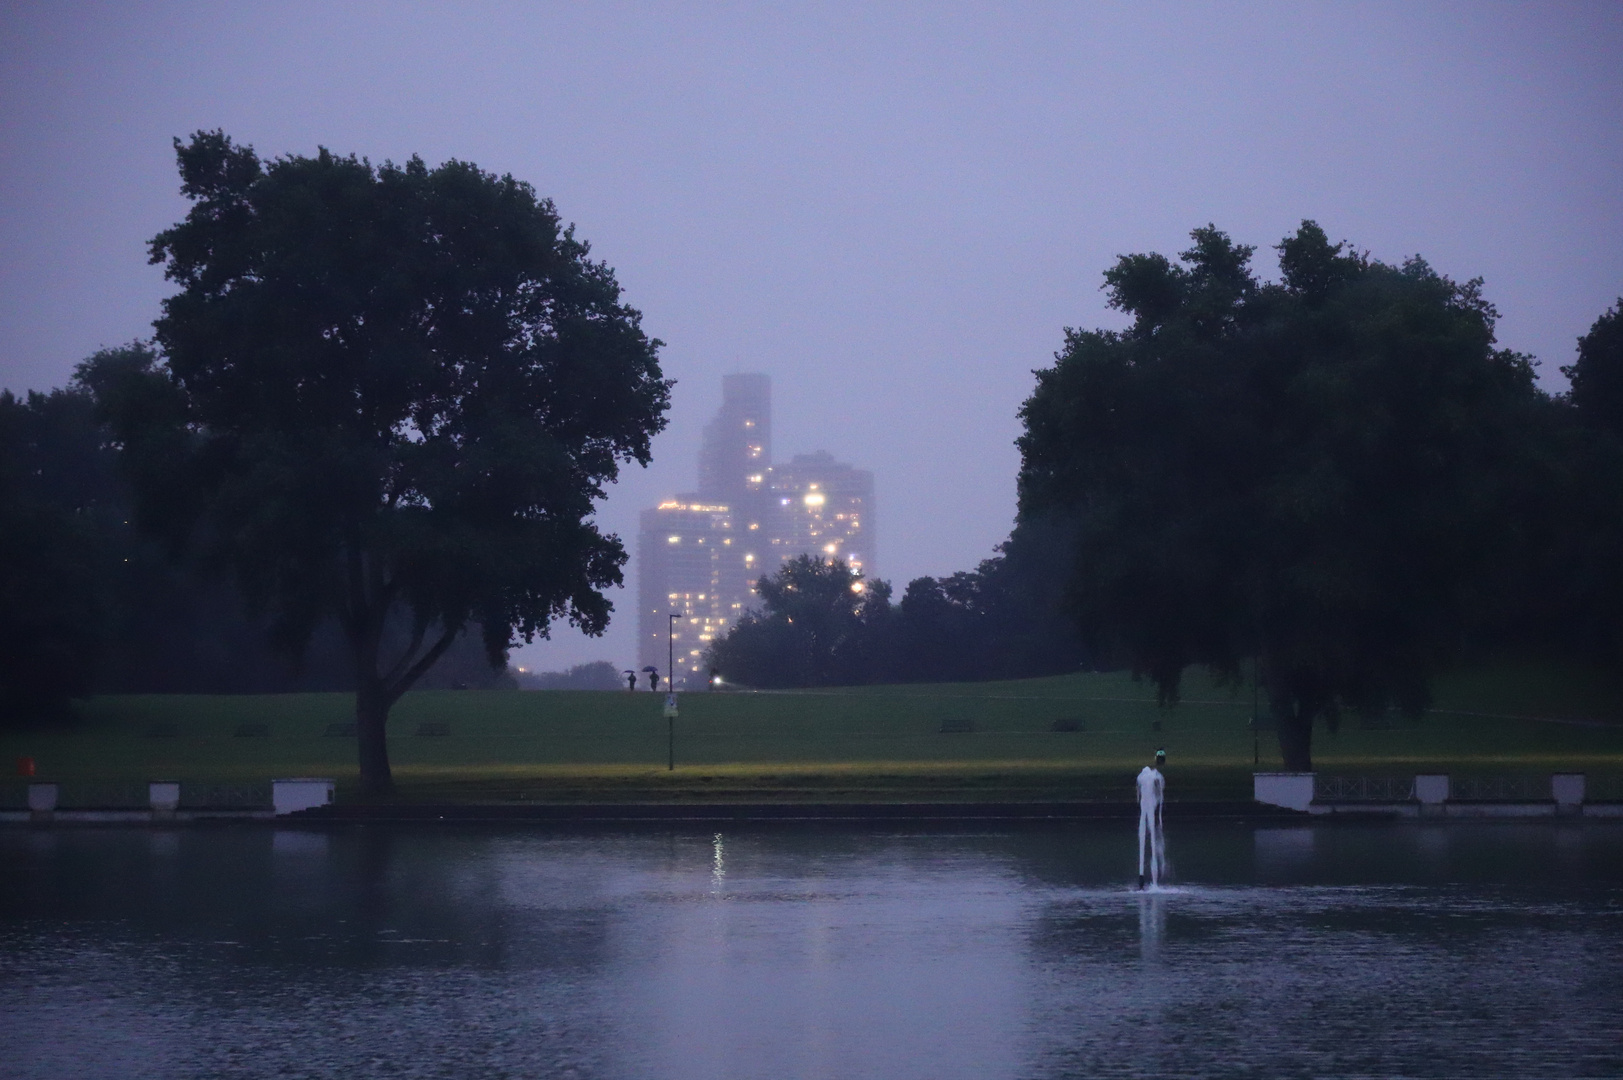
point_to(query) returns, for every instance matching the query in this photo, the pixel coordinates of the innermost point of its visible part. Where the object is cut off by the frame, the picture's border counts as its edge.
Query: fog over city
(893, 213)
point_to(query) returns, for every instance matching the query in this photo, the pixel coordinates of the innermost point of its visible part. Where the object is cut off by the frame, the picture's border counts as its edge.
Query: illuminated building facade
(692, 563)
(826, 508)
(699, 555)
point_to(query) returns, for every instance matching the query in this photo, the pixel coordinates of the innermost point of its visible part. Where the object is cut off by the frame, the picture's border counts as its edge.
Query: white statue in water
(1152, 845)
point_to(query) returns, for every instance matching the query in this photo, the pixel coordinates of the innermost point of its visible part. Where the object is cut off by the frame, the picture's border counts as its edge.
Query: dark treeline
(1336, 484)
(593, 675)
(822, 624)
(90, 604)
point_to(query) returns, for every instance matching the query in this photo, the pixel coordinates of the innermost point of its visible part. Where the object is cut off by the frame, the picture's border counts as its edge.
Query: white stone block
(1293, 790)
(1431, 789)
(300, 793)
(1567, 789)
(42, 798)
(164, 795)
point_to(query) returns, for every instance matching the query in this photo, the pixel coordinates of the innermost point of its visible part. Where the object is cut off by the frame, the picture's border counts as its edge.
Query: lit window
(673, 539)
(814, 499)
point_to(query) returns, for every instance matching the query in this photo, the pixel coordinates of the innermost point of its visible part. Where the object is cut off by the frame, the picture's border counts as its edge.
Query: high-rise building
(826, 508)
(690, 564)
(737, 448)
(699, 555)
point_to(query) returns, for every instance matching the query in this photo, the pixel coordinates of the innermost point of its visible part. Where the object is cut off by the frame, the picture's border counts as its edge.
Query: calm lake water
(791, 951)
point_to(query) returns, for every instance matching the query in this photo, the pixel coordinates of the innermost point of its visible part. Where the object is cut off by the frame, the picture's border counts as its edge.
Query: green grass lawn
(940, 741)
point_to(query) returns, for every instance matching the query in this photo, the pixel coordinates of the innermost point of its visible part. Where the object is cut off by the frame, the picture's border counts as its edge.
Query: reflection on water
(1280, 849)
(1152, 924)
(1422, 950)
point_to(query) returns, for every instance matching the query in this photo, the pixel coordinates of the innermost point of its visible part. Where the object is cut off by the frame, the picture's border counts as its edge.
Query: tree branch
(406, 655)
(436, 651)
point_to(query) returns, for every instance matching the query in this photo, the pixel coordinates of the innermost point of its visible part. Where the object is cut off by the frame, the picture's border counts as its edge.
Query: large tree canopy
(386, 388)
(1308, 474)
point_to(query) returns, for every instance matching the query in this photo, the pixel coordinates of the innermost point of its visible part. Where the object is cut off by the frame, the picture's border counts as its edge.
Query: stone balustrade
(1431, 795)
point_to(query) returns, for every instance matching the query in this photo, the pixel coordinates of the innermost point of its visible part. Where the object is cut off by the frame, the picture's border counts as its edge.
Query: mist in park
(919, 541)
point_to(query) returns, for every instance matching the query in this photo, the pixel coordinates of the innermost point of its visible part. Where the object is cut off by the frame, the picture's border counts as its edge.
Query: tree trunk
(1295, 724)
(376, 692)
(371, 722)
(1293, 707)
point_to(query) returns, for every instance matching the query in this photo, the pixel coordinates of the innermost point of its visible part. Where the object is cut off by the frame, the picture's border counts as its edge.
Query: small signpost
(670, 722)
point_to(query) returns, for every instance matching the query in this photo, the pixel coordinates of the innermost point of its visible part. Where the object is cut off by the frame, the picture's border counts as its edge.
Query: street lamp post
(670, 702)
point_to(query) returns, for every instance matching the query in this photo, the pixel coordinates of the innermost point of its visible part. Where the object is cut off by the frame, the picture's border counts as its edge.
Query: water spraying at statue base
(1152, 843)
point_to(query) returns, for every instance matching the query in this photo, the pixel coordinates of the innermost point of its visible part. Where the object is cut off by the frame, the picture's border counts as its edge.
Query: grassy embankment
(953, 741)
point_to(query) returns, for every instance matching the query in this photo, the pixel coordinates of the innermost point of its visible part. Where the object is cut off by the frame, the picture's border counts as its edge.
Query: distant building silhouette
(737, 448)
(700, 554)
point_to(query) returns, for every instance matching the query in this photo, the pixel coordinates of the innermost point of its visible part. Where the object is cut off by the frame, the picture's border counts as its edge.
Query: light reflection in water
(1152, 925)
(1438, 950)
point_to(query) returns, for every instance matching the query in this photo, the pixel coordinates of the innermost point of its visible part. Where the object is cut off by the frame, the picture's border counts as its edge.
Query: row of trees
(821, 624)
(593, 675)
(1335, 484)
(92, 605)
(384, 400)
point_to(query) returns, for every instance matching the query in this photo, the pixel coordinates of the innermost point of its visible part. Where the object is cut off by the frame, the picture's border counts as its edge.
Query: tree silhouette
(386, 388)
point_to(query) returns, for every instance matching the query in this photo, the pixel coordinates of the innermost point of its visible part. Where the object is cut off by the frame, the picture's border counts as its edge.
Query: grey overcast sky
(892, 209)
